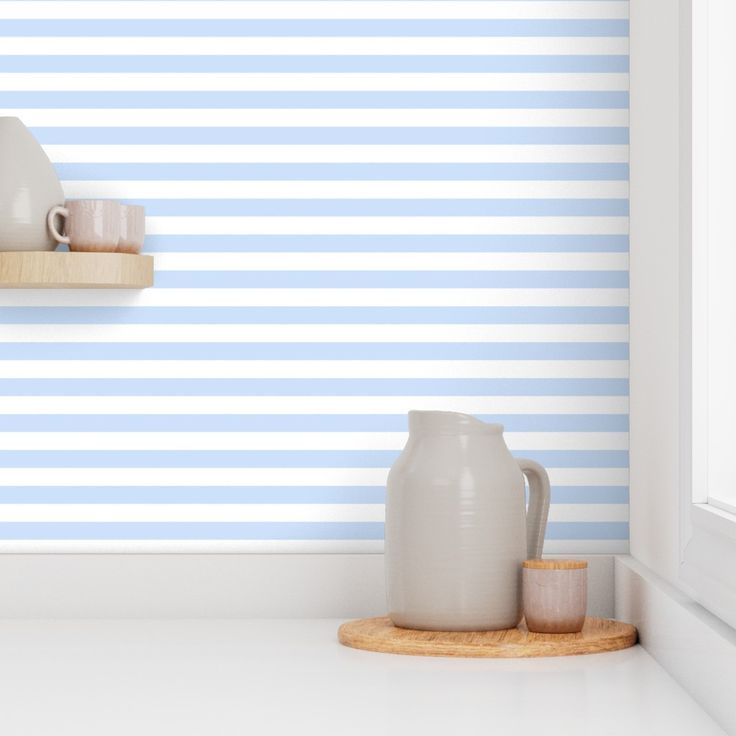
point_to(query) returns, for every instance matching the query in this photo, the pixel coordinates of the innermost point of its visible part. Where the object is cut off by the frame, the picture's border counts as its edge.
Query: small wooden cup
(555, 595)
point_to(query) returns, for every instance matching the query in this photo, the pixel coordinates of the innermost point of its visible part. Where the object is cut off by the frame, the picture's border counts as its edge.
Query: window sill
(728, 506)
(694, 647)
(709, 560)
(708, 518)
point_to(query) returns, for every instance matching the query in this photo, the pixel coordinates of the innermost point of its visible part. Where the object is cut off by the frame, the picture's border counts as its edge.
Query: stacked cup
(99, 225)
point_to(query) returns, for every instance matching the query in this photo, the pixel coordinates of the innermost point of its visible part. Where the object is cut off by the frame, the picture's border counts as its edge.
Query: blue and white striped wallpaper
(356, 207)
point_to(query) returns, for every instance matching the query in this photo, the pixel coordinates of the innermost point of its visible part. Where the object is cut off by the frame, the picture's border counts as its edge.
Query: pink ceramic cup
(132, 228)
(89, 224)
(555, 594)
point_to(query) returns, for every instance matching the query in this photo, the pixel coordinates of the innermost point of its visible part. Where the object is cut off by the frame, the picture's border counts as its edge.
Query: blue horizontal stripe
(507, 207)
(537, 207)
(260, 530)
(192, 530)
(342, 172)
(315, 351)
(312, 27)
(258, 494)
(292, 422)
(314, 387)
(272, 458)
(317, 64)
(314, 315)
(354, 243)
(537, 99)
(590, 494)
(594, 530)
(392, 279)
(387, 243)
(286, 136)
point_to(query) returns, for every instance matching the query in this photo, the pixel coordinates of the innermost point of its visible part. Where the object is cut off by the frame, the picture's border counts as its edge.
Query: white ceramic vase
(457, 528)
(29, 188)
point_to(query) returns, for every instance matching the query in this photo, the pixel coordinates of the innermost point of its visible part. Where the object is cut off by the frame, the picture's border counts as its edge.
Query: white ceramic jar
(457, 529)
(29, 188)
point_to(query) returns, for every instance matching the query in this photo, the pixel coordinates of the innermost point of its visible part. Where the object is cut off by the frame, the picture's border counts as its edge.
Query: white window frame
(707, 532)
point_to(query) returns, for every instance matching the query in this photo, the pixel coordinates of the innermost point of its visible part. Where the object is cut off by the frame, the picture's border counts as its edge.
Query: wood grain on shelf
(61, 270)
(380, 635)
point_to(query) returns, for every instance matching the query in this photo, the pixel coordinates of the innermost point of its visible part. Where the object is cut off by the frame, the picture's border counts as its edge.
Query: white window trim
(707, 533)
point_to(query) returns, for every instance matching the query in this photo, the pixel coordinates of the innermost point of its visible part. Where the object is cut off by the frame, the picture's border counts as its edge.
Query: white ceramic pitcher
(457, 528)
(29, 188)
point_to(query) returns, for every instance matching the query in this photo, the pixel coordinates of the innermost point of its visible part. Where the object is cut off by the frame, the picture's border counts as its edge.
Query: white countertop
(211, 677)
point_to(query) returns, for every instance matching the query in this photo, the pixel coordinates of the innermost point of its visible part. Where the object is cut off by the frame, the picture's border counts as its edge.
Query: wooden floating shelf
(380, 635)
(62, 270)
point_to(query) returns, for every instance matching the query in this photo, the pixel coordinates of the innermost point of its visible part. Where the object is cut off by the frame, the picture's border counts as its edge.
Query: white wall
(655, 282)
(216, 586)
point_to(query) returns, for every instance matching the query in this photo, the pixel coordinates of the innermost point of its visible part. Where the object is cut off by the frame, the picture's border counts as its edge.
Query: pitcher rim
(451, 422)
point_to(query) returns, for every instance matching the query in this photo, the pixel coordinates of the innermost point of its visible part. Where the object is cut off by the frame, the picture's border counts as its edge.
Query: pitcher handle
(51, 222)
(536, 515)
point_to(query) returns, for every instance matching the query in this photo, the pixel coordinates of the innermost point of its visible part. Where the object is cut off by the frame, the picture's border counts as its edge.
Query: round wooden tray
(380, 635)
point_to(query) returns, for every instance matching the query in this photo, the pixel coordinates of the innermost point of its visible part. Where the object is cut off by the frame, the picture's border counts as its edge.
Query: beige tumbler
(555, 595)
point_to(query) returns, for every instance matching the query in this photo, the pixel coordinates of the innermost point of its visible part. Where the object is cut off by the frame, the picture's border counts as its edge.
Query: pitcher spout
(449, 422)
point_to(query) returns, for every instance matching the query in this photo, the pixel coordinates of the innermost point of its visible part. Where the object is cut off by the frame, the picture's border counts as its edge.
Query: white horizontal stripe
(264, 261)
(194, 476)
(310, 82)
(193, 546)
(347, 118)
(586, 546)
(319, 298)
(315, 45)
(259, 476)
(345, 189)
(286, 441)
(381, 9)
(256, 512)
(286, 512)
(312, 404)
(266, 546)
(588, 476)
(311, 333)
(296, 369)
(387, 225)
(610, 512)
(336, 153)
